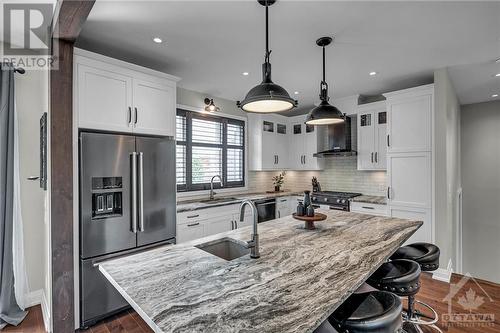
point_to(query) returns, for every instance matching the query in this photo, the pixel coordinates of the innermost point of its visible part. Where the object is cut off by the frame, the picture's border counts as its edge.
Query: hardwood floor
(482, 298)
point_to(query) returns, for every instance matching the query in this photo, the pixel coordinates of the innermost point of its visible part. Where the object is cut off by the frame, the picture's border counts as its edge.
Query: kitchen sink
(218, 200)
(225, 248)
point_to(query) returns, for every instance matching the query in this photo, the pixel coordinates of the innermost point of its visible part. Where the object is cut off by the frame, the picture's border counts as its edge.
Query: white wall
(481, 189)
(447, 154)
(31, 91)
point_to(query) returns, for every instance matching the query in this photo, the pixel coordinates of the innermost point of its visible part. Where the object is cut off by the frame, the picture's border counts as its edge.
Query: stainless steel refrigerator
(127, 204)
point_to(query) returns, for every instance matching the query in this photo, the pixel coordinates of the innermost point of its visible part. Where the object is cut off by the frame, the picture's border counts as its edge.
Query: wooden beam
(70, 16)
(68, 21)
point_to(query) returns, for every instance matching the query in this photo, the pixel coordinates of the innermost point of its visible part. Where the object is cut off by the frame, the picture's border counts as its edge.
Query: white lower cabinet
(189, 231)
(369, 208)
(283, 207)
(424, 233)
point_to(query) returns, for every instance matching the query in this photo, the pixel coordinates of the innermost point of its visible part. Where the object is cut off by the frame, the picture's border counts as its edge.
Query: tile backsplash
(340, 174)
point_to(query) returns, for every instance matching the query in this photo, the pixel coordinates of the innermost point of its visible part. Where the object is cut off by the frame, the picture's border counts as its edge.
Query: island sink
(225, 248)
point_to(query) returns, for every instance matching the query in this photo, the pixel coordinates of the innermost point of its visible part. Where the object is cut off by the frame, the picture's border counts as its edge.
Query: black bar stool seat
(372, 312)
(399, 276)
(425, 254)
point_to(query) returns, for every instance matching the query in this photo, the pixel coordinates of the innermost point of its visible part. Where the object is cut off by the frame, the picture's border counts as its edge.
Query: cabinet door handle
(277, 159)
(388, 192)
(376, 157)
(135, 119)
(304, 159)
(235, 224)
(232, 225)
(388, 141)
(372, 157)
(367, 207)
(193, 224)
(129, 115)
(193, 216)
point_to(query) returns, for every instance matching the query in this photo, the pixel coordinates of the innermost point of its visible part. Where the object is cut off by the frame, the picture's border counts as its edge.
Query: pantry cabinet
(410, 179)
(372, 131)
(112, 95)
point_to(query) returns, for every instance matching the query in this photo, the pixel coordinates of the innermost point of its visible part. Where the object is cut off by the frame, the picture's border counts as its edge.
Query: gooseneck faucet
(253, 244)
(212, 193)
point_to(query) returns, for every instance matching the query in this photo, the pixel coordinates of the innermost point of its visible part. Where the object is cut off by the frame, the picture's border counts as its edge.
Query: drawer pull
(193, 216)
(193, 224)
(367, 207)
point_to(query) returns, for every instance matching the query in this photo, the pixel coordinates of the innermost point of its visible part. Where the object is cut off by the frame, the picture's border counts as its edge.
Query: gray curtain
(10, 312)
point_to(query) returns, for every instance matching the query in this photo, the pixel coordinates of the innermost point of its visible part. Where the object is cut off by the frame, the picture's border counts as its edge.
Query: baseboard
(46, 314)
(34, 298)
(443, 274)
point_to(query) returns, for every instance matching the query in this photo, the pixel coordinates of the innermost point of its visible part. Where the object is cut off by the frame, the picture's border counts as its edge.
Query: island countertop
(301, 277)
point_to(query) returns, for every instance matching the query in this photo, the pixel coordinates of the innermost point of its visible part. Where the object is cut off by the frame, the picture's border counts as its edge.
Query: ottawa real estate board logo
(26, 38)
(470, 300)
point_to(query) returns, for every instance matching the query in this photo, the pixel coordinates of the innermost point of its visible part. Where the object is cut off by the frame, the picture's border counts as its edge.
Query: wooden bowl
(309, 220)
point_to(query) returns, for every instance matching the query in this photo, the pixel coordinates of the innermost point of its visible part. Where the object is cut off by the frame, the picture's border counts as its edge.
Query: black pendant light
(324, 113)
(267, 96)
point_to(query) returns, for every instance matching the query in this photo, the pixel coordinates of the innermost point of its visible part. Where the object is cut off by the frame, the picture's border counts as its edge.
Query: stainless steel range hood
(339, 140)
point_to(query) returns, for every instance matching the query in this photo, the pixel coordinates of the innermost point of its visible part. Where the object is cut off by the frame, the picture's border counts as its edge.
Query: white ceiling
(210, 43)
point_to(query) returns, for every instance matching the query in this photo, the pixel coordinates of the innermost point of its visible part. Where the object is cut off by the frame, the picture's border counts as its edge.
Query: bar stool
(401, 276)
(371, 312)
(427, 256)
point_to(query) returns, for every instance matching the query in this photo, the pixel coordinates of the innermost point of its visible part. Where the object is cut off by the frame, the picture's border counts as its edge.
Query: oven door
(266, 209)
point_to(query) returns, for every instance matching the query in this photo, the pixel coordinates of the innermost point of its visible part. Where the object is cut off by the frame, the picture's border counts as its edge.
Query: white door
(269, 156)
(366, 144)
(188, 232)
(296, 161)
(410, 123)
(104, 99)
(154, 108)
(409, 179)
(381, 140)
(281, 146)
(424, 233)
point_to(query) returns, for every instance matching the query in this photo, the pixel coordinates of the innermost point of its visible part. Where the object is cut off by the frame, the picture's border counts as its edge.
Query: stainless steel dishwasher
(266, 209)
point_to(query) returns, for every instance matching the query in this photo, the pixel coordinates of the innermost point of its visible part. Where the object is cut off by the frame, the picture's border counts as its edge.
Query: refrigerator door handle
(141, 191)
(133, 199)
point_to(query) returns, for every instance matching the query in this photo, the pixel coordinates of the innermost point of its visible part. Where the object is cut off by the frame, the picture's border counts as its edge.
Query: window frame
(224, 120)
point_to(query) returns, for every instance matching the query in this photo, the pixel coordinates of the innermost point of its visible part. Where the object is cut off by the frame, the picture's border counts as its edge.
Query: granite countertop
(201, 203)
(373, 199)
(301, 277)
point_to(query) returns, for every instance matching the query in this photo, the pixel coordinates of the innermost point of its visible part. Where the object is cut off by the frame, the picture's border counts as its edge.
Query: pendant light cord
(268, 53)
(324, 86)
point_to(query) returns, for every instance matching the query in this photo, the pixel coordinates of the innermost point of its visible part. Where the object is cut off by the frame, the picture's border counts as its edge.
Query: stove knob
(338, 200)
(343, 201)
(325, 199)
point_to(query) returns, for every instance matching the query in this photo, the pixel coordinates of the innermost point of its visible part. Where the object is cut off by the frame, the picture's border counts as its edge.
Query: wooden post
(67, 26)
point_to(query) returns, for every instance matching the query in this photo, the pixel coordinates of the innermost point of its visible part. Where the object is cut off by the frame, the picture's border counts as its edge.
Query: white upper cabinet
(410, 120)
(268, 137)
(305, 141)
(104, 99)
(112, 95)
(372, 131)
(153, 105)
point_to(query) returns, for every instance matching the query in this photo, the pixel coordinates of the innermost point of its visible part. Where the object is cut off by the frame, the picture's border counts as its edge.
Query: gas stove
(335, 200)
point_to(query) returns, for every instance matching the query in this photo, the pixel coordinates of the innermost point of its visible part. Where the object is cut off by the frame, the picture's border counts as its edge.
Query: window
(208, 145)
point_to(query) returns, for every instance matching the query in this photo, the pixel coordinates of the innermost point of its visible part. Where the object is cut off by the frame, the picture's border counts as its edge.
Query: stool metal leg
(413, 317)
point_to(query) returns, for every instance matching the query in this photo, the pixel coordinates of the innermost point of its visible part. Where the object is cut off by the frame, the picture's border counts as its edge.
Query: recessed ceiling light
(245, 73)
(157, 40)
(372, 73)
(494, 95)
(296, 92)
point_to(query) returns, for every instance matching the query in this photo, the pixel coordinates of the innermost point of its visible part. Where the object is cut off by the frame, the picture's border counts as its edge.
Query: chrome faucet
(252, 244)
(212, 193)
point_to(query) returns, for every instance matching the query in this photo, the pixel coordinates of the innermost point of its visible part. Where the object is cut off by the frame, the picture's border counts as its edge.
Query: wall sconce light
(210, 106)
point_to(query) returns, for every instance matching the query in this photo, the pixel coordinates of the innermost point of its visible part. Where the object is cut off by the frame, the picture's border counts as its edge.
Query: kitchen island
(301, 277)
